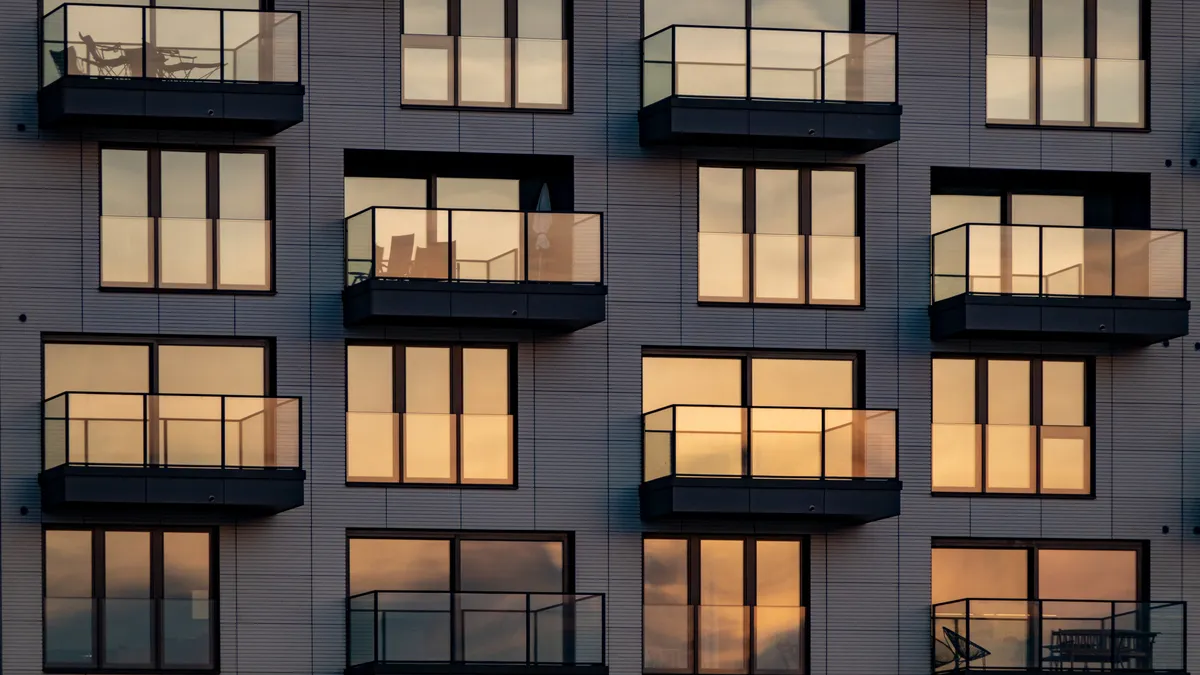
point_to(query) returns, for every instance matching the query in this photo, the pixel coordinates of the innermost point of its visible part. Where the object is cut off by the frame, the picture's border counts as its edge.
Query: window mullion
(157, 596)
(400, 405)
(981, 415)
(212, 208)
(456, 407)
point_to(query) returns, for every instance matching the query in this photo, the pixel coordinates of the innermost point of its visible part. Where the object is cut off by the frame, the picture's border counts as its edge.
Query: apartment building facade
(549, 337)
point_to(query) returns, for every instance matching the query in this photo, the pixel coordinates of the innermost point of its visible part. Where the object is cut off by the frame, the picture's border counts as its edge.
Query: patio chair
(108, 66)
(964, 650)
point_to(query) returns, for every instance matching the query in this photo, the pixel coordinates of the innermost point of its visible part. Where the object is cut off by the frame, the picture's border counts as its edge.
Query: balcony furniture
(400, 260)
(963, 649)
(1126, 649)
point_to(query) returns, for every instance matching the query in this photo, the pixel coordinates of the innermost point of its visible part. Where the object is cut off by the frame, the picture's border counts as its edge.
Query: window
(1012, 425)
(774, 380)
(486, 53)
(794, 14)
(492, 598)
(779, 235)
(1066, 63)
(429, 414)
(130, 599)
(724, 605)
(183, 219)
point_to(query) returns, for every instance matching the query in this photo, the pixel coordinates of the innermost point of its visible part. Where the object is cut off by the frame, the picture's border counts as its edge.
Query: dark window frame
(263, 6)
(456, 405)
(858, 16)
(511, 8)
(749, 590)
(1090, 40)
(157, 574)
(212, 213)
(1035, 420)
(749, 225)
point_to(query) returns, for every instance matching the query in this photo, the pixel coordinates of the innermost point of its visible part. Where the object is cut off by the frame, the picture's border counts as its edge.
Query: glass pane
(484, 71)
(105, 41)
(427, 70)
(124, 183)
(1065, 91)
(540, 19)
(479, 193)
(802, 14)
(677, 381)
(57, 60)
(661, 13)
(485, 381)
(721, 205)
(1010, 458)
(979, 573)
(710, 62)
(947, 211)
(185, 255)
(363, 193)
(262, 47)
(778, 573)
(186, 572)
(1118, 29)
(128, 632)
(244, 254)
(426, 17)
(96, 367)
(127, 564)
(792, 383)
(834, 273)
(657, 78)
(542, 73)
(483, 18)
(511, 566)
(243, 186)
(785, 65)
(1120, 93)
(371, 443)
(1008, 28)
(69, 630)
(723, 264)
(69, 564)
(723, 638)
(1066, 460)
(429, 447)
(410, 243)
(126, 251)
(1047, 210)
(184, 185)
(1087, 574)
(776, 198)
(409, 627)
(666, 635)
(1008, 391)
(488, 245)
(1063, 386)
(957, 449)
(709, 441)
(950, 263)
(427, 379)
(564, 247)
(860, 67)
(779, 639)
(665, 571)
(369, 379)
(192, 369)
(487, 449)
(721, 572)
(1062, 28)
(779, 274)
(185, 44)
(399, 564)
(187, 633)
(954, 391)
(1010, 82)
(1149, 263)
(834, 204)
(786, 443)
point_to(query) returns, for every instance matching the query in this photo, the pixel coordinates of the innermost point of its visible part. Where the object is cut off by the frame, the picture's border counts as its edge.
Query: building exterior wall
(283, 578)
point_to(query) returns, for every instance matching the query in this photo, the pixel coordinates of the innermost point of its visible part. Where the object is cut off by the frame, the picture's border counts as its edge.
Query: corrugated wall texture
(283, 578)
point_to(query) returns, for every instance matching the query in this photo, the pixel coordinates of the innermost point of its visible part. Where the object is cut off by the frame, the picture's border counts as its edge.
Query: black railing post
(824, 92)
(146, 430)
(145, 42)
(221, 44)
(747, 441)
(221, 421)
(450, 253)
(454, 646)
(523, 248)
(528, 629)
(674, 431)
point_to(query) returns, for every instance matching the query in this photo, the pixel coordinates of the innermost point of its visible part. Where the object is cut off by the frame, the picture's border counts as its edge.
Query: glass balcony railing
(990, 635)
(485, 72)
(714, 638)
(792, 443)
(1043, 260)
(441, 627)
(194, 431)
(1066, 91)
(474, 245)
(212, 45)
(769, 63)
(179, 630)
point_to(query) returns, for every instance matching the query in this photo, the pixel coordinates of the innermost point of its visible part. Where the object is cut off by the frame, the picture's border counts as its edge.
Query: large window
(838, 15)
(185, 219)
(779, 235)
(724, 605)
(1074, 63)
(486, 53)
(1012, 425)
(429, 414)
(122, 599)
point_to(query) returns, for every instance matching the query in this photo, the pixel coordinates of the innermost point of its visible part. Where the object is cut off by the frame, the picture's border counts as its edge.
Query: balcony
(156, 635)
(488, 633)
(832, 466)
(239, 454)
(1126, 287)
(767, 87)
(1069, 636)
(205, 69)
(457, 267)
(713, 638)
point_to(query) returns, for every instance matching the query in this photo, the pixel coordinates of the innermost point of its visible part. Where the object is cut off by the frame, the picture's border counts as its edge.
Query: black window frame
(511, 8)
(749, 591)
(212, 213)
(157, 574)
(456, 408)
(749, 225)
(263, 6)
(1035, 418)
(1090, 40)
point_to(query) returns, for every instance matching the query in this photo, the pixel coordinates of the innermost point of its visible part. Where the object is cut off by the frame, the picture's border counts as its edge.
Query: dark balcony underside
(431, 668)
(549, 306)
(238, 491)
(1126, 321)
(849, 127)
(835, 502)
(264, 108)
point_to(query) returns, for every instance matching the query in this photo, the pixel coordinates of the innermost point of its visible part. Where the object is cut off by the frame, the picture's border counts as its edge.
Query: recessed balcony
(769, 87)
(487, 633)
(1035, 282)
(238, 454)
(1031, 637)
(833, 466)
(474, 267)
(206, 69)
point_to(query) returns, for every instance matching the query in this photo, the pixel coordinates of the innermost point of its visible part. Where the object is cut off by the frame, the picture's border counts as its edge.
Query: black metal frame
(1035, 417)
(749, 226)
(97, 574)
(65, 8)
(212, 213)
(456, 407)
(511, 8)
(857, 12)
(1090, 39)
(749, 592)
